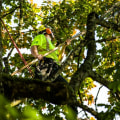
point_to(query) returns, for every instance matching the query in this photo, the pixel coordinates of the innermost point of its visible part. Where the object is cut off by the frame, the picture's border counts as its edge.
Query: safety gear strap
(45, 69)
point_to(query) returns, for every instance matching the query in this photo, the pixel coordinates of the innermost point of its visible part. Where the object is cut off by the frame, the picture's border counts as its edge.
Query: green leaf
(16, 21)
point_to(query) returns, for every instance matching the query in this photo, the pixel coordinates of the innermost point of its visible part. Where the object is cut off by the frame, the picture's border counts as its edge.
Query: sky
(40, 1)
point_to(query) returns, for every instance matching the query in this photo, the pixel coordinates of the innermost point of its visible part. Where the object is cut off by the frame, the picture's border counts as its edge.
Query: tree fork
(86, 67)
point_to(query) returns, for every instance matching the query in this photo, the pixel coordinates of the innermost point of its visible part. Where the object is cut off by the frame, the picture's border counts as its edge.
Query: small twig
(111, 9)
(10, 11)
(104, 40)
(97, 97)
(10, 52)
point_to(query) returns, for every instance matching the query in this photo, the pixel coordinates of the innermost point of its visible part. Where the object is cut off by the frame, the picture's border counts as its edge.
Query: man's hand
(67, 42)
(40, 57)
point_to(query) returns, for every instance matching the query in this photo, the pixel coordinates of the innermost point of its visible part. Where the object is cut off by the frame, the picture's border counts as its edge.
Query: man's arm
(62, 51)
(34, 52)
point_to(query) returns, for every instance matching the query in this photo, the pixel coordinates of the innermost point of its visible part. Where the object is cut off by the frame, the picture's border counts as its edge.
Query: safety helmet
(47, 31)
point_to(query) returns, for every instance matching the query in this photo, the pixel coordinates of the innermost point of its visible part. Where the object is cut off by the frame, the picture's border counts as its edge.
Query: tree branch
(97, 98)
(11, 11)
(17, 88)
(86, 108)
(110, 10)
(90, 37)
(56, 93)
(105, 40)
(106, 83)
(86, 67)
(98, 78)
(108, 24)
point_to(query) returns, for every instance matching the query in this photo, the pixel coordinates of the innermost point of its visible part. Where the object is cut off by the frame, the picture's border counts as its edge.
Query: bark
(56, 93)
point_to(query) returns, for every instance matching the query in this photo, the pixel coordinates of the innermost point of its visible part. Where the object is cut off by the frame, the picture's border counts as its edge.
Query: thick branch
(90, 37)
(86, 67)
(15, 88)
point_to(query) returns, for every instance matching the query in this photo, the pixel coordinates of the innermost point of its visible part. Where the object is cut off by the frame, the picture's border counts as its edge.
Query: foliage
(24, 19)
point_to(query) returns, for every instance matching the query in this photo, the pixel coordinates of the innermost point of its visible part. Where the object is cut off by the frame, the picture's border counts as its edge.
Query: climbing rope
(17, 48)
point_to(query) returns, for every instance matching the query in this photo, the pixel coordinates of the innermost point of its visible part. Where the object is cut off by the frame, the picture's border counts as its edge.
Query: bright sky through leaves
(39, 2)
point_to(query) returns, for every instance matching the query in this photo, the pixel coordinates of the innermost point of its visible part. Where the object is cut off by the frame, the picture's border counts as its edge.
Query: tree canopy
(92, 57)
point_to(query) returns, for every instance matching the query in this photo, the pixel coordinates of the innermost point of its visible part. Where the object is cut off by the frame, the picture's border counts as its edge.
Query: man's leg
(60, 79)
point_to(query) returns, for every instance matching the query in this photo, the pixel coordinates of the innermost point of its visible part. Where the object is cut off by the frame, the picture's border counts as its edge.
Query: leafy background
(23, 20)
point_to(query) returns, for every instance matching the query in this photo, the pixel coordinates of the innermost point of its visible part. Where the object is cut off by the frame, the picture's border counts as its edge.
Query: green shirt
(44, 46)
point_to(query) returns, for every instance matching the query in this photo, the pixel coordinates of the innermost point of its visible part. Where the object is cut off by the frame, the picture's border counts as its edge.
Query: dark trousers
(46, 68)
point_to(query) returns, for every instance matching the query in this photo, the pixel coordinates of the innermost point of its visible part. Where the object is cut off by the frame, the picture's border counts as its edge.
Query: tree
(98, 22)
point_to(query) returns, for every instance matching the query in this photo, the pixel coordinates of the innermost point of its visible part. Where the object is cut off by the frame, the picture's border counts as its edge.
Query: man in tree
(48, 65)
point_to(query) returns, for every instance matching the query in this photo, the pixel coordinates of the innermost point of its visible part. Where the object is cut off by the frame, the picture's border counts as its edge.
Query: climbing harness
(46, 68)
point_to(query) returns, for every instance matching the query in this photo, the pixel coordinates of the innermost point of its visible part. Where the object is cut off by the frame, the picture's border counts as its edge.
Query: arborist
(49, 65)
